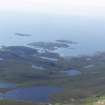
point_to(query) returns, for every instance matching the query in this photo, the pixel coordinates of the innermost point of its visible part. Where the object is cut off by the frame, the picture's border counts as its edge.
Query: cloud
(65, 7)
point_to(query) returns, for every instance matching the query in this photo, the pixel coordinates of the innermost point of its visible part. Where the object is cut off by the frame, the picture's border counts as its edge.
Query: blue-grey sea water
(89, 32)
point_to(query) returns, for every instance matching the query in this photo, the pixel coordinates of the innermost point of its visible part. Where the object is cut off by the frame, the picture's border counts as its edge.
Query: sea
(87, 31)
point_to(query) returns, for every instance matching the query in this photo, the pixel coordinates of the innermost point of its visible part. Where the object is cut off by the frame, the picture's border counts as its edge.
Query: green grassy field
(9, 102)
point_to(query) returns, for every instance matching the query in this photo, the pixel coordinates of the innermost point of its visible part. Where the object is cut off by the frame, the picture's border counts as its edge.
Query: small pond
(72, 72)
(34, 94)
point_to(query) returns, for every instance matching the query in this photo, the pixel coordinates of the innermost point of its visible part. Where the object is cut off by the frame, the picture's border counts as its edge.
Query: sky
(63, 7)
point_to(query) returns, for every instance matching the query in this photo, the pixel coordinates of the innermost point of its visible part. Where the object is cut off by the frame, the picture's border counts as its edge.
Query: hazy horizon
(55, 7)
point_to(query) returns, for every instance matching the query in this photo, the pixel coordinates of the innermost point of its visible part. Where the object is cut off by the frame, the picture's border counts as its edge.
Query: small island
(23, 35)
(52, 45)
(66, 41)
